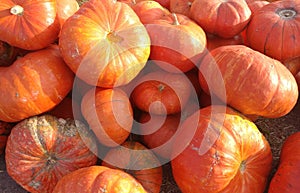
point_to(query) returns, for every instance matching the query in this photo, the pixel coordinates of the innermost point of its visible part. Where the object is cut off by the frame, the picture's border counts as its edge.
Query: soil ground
(275, 130)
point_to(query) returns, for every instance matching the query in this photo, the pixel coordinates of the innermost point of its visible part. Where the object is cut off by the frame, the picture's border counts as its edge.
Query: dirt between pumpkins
(275, 131)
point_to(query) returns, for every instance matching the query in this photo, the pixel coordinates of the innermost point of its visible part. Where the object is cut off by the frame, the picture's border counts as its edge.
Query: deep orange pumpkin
(161, 92)
(42, 149)
(98, 179)
(105, 43)
(65, 9)
(109, 114)
(138, 161)
(286, 178)
(227, 154)
(255, 84)
(177, 42)
(223, 18)
(29, 24)
(272, 30)
(33, 84)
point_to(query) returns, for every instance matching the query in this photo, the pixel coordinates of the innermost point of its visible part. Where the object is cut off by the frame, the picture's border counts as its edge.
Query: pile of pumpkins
(96, 97)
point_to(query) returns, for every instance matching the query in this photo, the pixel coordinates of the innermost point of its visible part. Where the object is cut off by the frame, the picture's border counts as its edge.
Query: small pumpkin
(177, 42)
(223, 18)
(105, 43)
(181, 6)
(254, 83)
(271, 30)
(34, 84)
(286, 177)
(29, 24)
(138, 161)
(42, 149)
(65, 9)
(98, 179)
(161, 92)
(226, 153)
(109, 114)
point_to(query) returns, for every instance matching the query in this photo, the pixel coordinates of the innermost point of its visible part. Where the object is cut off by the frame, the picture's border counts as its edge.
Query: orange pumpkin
(223, 18)
(226, 153)
(105, 43)
(139, 161)
(271, 30)
(98, 179)
(254, 83)
(29, 24)
(286, 178)
(109, 114)
(34, 84)
(42, 149)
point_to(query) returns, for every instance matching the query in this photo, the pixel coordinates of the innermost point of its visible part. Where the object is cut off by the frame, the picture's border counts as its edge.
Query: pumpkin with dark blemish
(42, 149)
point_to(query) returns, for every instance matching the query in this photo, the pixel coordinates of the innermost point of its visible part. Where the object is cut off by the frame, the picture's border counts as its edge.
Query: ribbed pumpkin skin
(42, 149)
(139, 161)
(98, 179)
(105, 43)
(33, 84)
(286, 178)
(226, 154)
(255, 84)
(109, 114)
(273, 30)
(35, 28)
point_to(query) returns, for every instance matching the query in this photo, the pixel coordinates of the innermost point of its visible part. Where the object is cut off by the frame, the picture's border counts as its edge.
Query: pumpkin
(138, 161)
(162, 92)
(157, 131)
(109, 114)
(297, 77)
(177, 42)
(42, 149)
(33, 84)
(286, 178)
(5, 129)
(65, 9)
(105, 43)
(254, 83)
(98, 179)
(223, 18)
(181, 6)
(149, 10)
(271, 30)
(29, 24)
(226, 153)
(293, 64)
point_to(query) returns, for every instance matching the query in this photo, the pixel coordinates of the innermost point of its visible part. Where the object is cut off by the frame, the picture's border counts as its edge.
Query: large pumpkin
(98, 179)
(255, 84)
(105, 43)
(33, 84)
(139, 161)
(223, 18)
(29, 24)
(42, 149)
(273, 30)
(286, 178)
(177, 42)
(109, 114)
(227, 154)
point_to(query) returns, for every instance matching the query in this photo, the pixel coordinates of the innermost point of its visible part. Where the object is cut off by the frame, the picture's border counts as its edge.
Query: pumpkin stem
(161, 87)
(287, 13)
(243, 166)
(114, 37)
(17, 10)
(175, 18)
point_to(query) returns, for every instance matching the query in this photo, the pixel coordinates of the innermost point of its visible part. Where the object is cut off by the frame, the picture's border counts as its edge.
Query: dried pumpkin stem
(17, 10)
(287, 13)
(175, 18)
